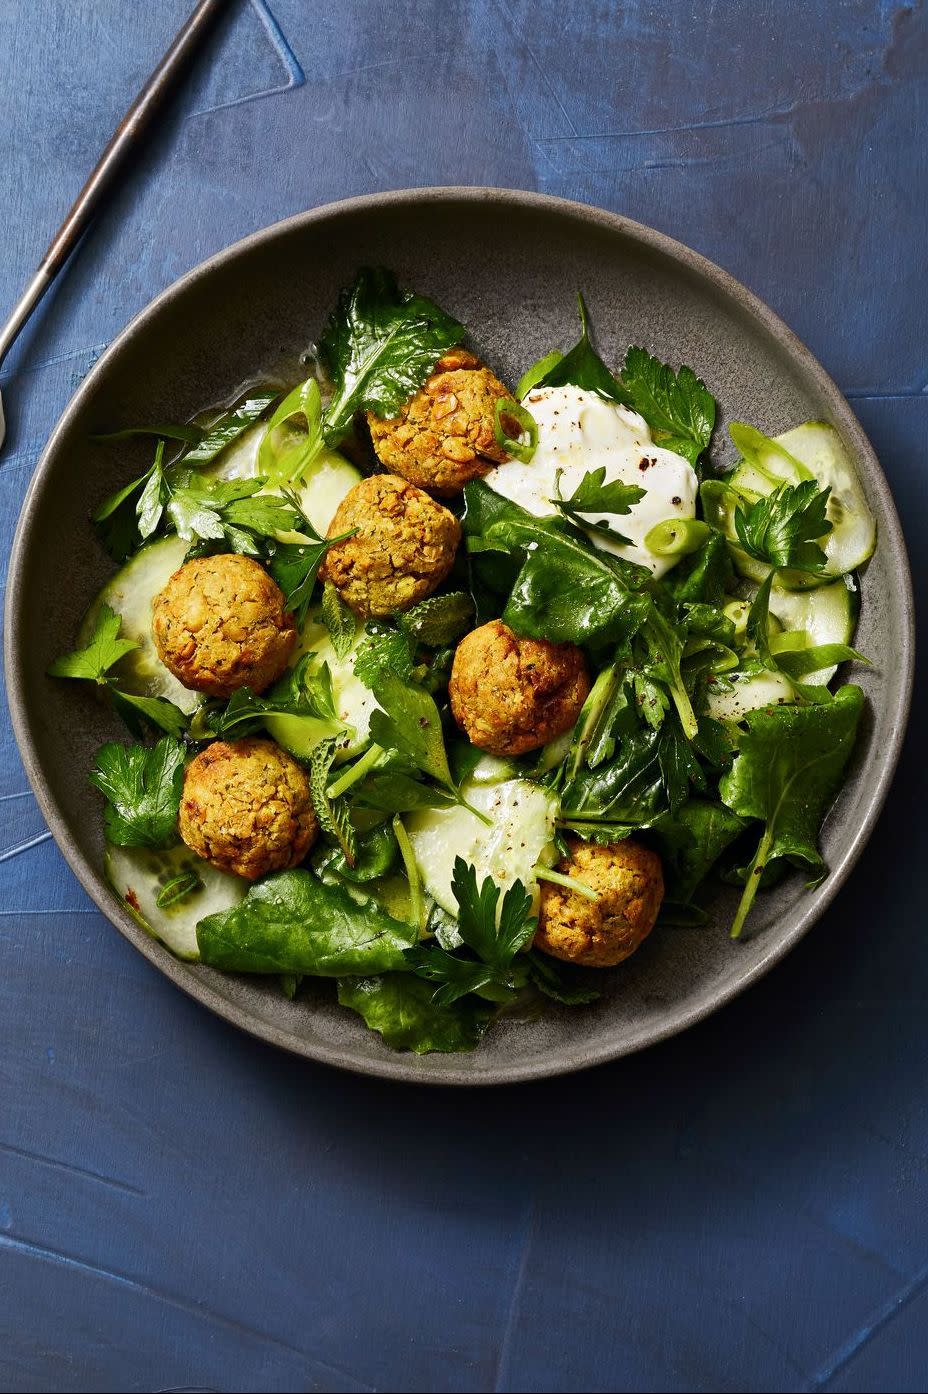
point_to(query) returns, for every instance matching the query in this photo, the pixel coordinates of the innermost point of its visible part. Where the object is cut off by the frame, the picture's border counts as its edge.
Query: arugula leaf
(582, 367)
(594, 495)
(339, 620)
(409, 722)
(231, 425)
(439, 620)
(142, 786)
(103, 649)
(704, 576)
(179, 888)
(781, 528)
(333, 814)
(668, 645)
(292, 922)
(400, 1007)
(788, 769)
(678, 407)
(295, 566)
(379, 346)
(628, 789)
(679, 766)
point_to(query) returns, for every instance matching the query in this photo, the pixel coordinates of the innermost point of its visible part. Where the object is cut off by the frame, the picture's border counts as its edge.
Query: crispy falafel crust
(402, 549)
(512, 695)
(599, 934)
(246, 808)
(222, 623)
(443, 436)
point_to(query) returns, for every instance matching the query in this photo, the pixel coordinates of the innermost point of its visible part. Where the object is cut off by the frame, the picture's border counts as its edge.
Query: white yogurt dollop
(580, 431)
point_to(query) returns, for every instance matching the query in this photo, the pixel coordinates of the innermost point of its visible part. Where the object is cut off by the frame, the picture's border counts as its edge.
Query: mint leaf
(339, 620)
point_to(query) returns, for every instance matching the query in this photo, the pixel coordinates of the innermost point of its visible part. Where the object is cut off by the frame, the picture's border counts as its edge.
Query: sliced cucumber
(130, 593)
(825, 615)
(813, 450)
(138, 877)
(327, 481)
(767, 689)
(353, 701)
(521, 836)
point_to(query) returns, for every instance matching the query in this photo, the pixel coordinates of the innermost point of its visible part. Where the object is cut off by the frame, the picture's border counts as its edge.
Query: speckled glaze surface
(508, 264)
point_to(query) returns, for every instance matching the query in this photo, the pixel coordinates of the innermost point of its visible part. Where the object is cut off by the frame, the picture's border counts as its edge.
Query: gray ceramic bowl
(509, 265)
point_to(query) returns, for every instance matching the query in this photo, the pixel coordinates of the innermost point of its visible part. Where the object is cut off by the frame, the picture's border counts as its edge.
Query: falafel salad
(454, 692)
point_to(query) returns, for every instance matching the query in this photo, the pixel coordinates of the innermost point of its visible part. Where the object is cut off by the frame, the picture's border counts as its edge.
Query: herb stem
(355, 772)
(411, 866)
(755, 873)
(543, 873)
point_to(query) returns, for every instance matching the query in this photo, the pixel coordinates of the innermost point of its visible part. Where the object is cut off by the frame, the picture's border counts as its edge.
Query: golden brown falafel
(246, 808)
(443, 436)
(222, 623)
(402, 549)
(511, 695)
(601, 933)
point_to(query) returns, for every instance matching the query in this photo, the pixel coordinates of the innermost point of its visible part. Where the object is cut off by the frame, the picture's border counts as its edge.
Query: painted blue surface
(742, 1208)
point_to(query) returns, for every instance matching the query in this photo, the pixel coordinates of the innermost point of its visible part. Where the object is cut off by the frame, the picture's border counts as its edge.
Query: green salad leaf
(379, 346)
(103, 649)
(292, 922)
(438, 620)
(401, 1008)
(157, 711)
(788, 769)
(295, 566)
(142, 786)
(556, 984)
(231, 511)
(678, 407)
(690, 841)
(333, 814)
(594, 495)
(783, 528)
(304, 690)
(339, 620)
(409, 722)
(582, 367)
(228, 428)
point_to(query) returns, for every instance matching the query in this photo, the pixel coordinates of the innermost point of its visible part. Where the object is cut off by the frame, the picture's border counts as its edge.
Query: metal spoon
(124, 141)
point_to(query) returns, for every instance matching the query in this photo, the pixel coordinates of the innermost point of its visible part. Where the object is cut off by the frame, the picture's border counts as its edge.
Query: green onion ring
(675, 537)
(518, 448)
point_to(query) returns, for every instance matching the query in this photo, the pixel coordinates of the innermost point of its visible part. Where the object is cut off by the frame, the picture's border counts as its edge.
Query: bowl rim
(403, 1066)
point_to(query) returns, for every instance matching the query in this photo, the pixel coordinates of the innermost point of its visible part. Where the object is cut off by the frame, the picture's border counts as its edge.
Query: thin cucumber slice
(353, 701)
(138, 876)
(813, 450)
(825, 615)
(767, 689)
(130, 593)
(327, 481)
(520, 837)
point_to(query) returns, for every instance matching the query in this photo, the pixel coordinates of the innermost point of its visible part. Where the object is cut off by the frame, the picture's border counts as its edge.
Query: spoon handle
(109, 167)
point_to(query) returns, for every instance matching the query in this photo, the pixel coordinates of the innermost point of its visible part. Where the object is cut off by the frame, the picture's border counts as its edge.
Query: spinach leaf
(582, 367)
(439, 620)
(678, 407)
(781, 528)
(627, 790)
(376, 855)
(400, 1007)
(690, 841)
(230, 425)
(397, 791)
(379, 346)
(704, 576)
(142, 786)
(788, 769)
(594, 495)
(292, 922)
(103, 649)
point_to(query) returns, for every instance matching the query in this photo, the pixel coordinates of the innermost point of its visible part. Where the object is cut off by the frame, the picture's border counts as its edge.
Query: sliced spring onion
(518, 447)
(537, 371)
(411, 866)
(355, 772)
(675, 537)
(543, 873)
(284, 456)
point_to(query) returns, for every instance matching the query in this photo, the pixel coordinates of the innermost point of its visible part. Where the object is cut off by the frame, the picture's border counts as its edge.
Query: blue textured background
(743, 1208)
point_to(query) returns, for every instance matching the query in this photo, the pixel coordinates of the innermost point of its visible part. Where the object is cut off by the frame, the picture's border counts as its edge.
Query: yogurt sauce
(580, 431)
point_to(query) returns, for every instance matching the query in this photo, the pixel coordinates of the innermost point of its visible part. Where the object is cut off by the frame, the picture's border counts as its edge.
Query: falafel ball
(402, 549)
(222, 623)
(511, 695)
(443, 436)
(601, 933)
(246, 808)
